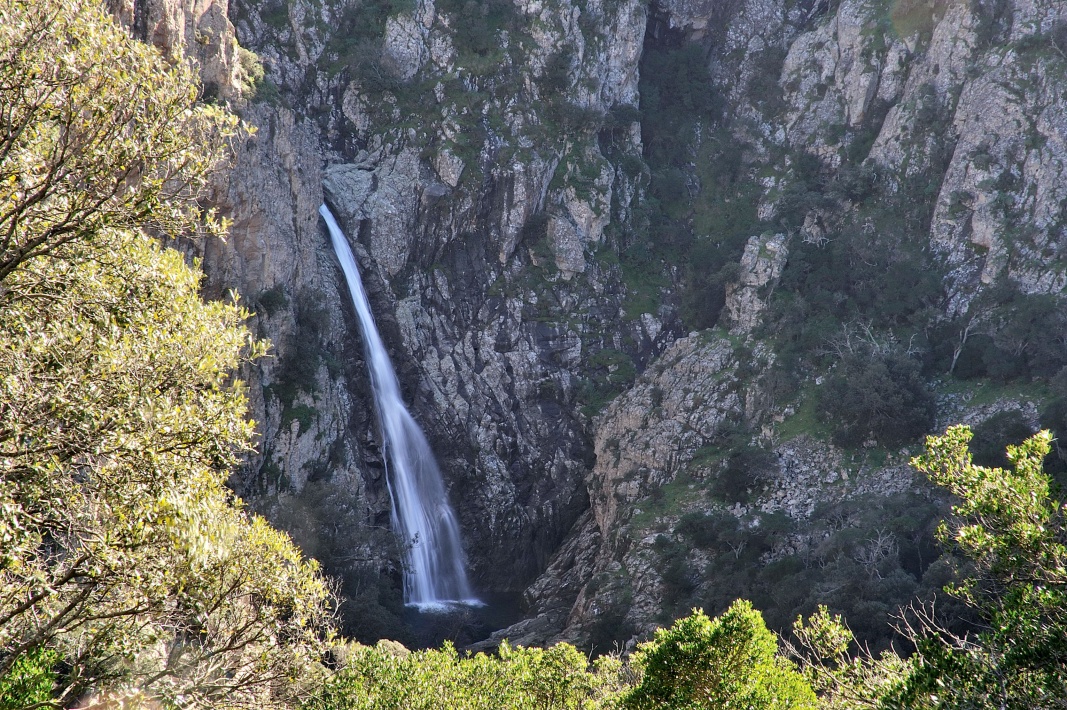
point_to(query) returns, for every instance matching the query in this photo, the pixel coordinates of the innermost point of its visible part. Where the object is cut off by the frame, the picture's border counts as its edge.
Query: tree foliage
(843, 676)
(389, 676)
(123, 550)
(728, 662)
(126, 566)
(993, 435)
(30, 680)
(1006, 335)
(867, 557)
(96, 131)
(1012, 533)
(1010, 546)
(879, 396)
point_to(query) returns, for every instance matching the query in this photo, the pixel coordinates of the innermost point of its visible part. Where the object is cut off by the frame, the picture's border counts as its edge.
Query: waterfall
(434, 577)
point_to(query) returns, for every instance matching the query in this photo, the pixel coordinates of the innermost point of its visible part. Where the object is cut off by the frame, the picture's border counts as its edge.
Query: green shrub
(298, 369)
(882, 279)
(477, 25)
(388, 676)
(993, 435)
(610, 630)
(764, 89)
(748, 469)
(708, 530)
(730, 662)
(678, 576)
(865, 557)
(555, 79)
(1019, 337)
(879, 397)
(676, 95)
(273, 300)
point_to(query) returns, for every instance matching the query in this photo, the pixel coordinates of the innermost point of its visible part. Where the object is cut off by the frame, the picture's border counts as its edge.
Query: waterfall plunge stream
(434, 577)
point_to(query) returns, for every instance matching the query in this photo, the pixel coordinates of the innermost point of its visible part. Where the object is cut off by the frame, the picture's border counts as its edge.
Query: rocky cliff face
(480, 200)
(486, 160)
(478, 226)
(958, 97)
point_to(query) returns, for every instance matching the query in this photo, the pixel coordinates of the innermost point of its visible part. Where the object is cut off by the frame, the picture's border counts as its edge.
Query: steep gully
(434, 576)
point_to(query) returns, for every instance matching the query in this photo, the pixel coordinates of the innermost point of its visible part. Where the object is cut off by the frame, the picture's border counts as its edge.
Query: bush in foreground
(730, 662)
(389, 676)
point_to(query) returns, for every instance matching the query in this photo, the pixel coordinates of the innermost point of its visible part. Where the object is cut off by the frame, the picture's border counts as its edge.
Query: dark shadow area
(462, 625)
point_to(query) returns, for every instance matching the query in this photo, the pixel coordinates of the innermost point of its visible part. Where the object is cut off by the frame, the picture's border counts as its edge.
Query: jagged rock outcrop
(963, 98)
(644, 438)
(761, 267)
(969, 98)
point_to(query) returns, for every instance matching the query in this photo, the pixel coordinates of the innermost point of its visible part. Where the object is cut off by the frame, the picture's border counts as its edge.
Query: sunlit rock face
(197, 29)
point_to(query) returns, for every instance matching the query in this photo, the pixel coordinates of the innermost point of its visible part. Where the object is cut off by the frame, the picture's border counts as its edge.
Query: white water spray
(434, 577)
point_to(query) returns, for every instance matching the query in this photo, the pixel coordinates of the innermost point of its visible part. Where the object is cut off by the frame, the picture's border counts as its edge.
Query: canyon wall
(486, 161)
